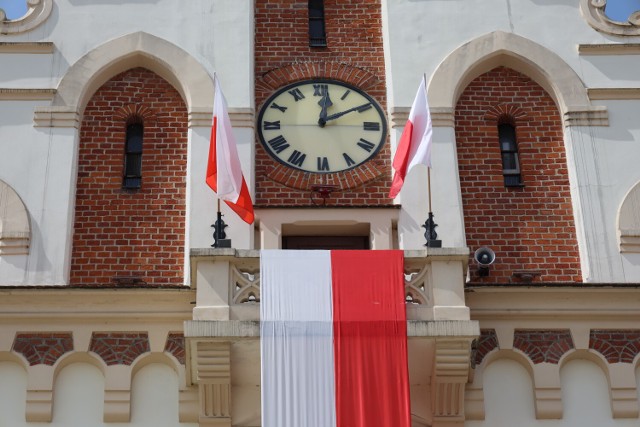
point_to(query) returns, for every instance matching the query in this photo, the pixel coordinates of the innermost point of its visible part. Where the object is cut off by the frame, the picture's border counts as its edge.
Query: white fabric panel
(296, 339)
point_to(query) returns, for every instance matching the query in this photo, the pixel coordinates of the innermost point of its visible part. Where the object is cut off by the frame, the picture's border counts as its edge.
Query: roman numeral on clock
(271, 125)
(323, 164)
(320, 89)
(278, 144)
(277, 107)
(348, 159)
(297, 95)
(366, 145)
(297, 158)
(371, 126)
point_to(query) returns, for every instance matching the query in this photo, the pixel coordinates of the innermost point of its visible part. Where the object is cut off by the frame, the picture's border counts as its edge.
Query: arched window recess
(509, 152)
(132, 174)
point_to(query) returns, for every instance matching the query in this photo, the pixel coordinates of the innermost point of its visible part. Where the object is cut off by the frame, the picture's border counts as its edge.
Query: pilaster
(214, 381)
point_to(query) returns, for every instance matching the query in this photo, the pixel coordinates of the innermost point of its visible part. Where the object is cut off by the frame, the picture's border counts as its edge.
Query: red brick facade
(354, 54)
(175, 346)
(43, 348)
(119, 348)
(131, 237)
(530, 227)
(543, 346)
(616, 346)
(487, 342)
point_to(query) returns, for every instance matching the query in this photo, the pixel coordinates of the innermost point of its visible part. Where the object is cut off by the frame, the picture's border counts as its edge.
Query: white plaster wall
(79, 397)
(509, 401)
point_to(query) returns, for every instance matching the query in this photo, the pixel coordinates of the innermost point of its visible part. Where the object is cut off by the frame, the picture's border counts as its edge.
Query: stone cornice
(27, 47)
(62, 303)
(609, 49)
(440, 117)
(226, 330)
(614, 93)
(19, 94)
(539, 302)
(586, 116)
(240, 118)
(64, 117)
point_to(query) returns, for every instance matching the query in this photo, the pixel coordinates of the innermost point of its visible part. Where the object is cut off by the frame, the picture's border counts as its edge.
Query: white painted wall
(509, 400)
(79, 397)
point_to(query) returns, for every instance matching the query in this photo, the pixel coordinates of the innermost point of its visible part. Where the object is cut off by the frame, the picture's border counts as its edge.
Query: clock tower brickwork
(354, 54)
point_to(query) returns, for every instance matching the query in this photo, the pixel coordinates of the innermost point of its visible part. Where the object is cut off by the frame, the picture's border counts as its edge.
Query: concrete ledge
(238, 329)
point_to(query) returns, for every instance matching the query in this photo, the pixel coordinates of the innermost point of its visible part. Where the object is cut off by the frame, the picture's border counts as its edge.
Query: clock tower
(321, 102)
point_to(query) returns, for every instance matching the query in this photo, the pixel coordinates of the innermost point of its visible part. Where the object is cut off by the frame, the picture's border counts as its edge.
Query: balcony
(223, 338)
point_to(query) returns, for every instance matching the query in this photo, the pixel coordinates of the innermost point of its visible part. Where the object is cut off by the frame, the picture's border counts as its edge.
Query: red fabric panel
(401, 160)
(370, 339)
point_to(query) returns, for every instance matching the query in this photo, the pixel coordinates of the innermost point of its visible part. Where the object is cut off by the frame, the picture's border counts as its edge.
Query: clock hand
(359, 109)
(325, 102)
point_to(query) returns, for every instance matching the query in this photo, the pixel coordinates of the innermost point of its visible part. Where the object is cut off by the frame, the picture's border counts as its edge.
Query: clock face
(321, 126)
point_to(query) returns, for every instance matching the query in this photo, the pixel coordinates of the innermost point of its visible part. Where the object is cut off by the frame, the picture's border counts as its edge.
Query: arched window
(509, 152)
(317, 35)
(133, 156)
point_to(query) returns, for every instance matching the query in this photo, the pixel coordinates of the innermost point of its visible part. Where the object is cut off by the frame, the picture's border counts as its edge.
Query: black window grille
(317, 34)
(133, 157)
(509, 152)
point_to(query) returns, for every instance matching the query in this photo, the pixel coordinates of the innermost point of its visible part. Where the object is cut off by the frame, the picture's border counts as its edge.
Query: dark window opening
(325, 242)
(509, 153)
(133, 157)
(317, 35)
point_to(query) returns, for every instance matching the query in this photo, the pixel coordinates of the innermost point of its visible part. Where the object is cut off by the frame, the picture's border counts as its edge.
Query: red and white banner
(224, 174)
(333, 339)
(415, 143)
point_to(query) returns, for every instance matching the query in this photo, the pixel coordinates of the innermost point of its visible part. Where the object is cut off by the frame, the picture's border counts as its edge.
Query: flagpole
(430, 225)
(219, 236)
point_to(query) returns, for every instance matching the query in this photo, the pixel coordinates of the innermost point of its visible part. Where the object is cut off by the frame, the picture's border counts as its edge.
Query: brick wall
(125, 233)
(530, 227)
(354, 54)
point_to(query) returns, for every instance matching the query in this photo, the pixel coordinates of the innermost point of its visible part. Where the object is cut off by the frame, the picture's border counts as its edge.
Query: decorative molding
(245, 285)
(617, 346)
(543, 346)
(450, 375)
(11, 94)
(509, 110)
(614, 93)
(487, 342)
(62, 117)
(213, 364)
(440, 117)
(119, 348)
(175, 346)
(240, 118)
(593, 12)
(628, 221)
(43, 348)
(500, 48)
(592, 116)
(136, 110)
(37, 12)
(26, 47)
(417, 287)
(15, 229)
(609, 49)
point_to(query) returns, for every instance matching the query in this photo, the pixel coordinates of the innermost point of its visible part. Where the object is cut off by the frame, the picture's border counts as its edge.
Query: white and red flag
(415, 143)
(333, 339)
(224, 174)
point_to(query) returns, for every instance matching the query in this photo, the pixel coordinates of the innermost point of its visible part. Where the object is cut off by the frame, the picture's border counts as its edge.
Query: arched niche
(139, 49)
(629, 221)
(525, 56)
(15, 230)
